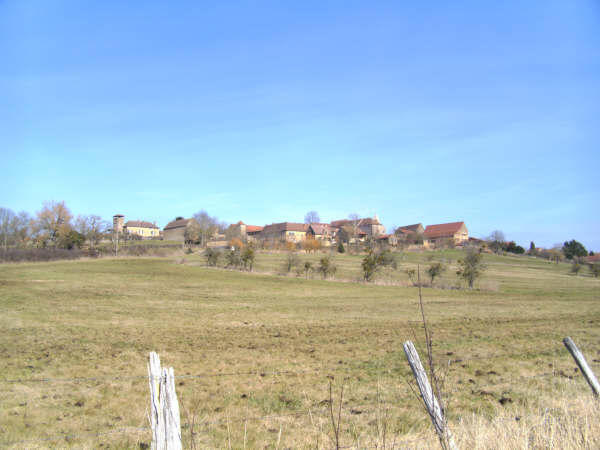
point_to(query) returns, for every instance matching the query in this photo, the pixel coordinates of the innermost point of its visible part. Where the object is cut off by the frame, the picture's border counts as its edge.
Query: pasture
(258, 351)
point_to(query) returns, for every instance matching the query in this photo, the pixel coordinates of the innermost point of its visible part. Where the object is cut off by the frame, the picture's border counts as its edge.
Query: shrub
(291, 261)
(326, 267)
(471, 267)
(233, 259)
(374, 261)
(512, 247)
(248, 256)
(38, 254)
(412, 276)
(212, 256)
(340, 247)
(308, 268)
(595, 269)
(311, 245)
(235, 243)
(575, 267)
(435, 270)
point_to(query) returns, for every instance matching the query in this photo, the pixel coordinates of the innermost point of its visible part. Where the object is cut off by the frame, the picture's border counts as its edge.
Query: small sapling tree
(292, 260)
(435, 270)
(212, 257)
(471, 267)
(248, 256)
(308, 269)
(326, 267)
(374, 261)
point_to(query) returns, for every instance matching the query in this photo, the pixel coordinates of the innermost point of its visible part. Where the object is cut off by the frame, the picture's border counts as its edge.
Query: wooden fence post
(431, 403)
(164, 407)
(583, 365)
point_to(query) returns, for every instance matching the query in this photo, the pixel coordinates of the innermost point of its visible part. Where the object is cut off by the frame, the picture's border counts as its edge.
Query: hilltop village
(352, 230)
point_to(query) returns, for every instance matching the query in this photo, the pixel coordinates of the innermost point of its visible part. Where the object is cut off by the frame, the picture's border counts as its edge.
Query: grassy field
(265, 348)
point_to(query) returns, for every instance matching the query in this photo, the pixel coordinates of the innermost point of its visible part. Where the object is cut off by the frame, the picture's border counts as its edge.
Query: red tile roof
(359, 222)
(443, 229)
(253, 228)
(285, 226)
(322, 228)
(410, 228)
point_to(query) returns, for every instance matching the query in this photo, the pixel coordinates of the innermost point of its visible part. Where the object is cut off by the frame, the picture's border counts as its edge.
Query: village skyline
(431, 113)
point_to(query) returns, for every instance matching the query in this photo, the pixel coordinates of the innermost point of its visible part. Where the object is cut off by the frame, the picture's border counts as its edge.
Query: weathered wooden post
(583, 365)
(164, 407)
(431, 402)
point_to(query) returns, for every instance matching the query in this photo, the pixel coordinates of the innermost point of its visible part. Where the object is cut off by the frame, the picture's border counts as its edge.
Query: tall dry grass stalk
(568, 423)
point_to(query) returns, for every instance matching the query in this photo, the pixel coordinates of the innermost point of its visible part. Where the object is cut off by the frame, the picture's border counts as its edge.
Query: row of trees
(53, 226)
(568, 250)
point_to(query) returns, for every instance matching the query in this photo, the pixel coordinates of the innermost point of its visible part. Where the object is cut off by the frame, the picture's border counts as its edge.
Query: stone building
(455, 233)
(285, 231)
(367, 227)
(176, 229)
(146, 230)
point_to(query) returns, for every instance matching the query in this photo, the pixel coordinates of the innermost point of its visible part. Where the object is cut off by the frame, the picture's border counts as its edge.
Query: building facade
(455, 233)
(176, 229)
(146, 230)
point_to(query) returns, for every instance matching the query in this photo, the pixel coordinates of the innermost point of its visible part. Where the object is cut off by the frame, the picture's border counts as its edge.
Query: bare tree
(92, 228)
(312, 217)
(20, 229)
(208, 226)
(497, 235)
(496, 240)
(7, 218)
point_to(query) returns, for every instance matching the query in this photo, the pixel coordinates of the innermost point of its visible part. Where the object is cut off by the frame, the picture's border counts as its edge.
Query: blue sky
(260, 111)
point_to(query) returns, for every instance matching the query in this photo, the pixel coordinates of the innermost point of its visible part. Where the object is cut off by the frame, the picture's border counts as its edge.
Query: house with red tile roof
(410, 233)
(453, 232)
(244, 232)
(322, 232)
(285, 231)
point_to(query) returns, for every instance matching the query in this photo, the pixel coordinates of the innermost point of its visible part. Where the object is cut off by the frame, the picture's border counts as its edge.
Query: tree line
(53, 226)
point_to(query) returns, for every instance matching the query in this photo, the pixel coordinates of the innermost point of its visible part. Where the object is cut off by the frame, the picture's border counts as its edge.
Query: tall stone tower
(118, 220)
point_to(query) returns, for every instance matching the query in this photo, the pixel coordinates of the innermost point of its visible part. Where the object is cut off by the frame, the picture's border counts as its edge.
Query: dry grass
(100, 318)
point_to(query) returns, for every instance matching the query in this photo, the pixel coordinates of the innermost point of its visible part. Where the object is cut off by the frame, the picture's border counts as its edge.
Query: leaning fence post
(431, 403)
(164, 407)
(583, 365)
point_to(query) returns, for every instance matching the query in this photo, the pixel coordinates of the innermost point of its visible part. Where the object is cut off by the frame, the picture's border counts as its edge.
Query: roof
(443, 229)
(412, 228)
(383, 236)
(139, 224)
(595, 257)
(253, 228)
(177, 224)
(240, 223)
(322, 228)
(359, 222)
(285, 226)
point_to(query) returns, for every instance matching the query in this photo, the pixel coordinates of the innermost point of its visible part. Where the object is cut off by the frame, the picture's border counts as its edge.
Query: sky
(487, 112)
